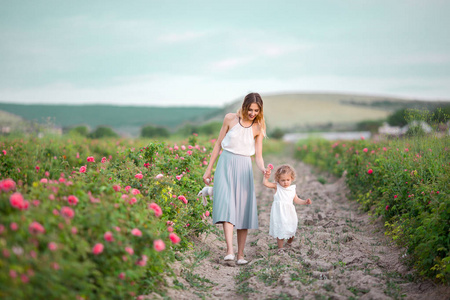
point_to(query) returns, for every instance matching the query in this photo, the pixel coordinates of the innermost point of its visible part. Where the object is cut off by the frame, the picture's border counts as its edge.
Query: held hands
(308, 201)
(268, 171)
(207, 177)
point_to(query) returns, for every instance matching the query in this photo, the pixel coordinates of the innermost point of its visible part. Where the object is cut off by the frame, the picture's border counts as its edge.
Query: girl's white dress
(283, 217)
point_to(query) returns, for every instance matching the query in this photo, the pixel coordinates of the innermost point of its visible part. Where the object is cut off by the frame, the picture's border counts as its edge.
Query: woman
(234, 204)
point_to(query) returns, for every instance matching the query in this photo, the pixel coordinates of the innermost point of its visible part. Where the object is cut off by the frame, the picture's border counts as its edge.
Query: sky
(212, 53)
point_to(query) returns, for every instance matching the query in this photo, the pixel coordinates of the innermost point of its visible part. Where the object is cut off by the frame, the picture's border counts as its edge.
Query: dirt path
(338, 253)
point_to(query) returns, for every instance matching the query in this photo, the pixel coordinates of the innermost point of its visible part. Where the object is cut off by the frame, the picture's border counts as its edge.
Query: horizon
(212, 54)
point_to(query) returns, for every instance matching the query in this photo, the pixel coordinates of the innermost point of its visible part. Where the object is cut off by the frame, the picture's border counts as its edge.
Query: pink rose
(83, 169)
(97, 249)
(7, 185)
(67, 212)
(129, 250)
(135, 192)
(174, 238)
(122, 275)
(127, 188)
(103, 160)
(136, 232)
(156, 209)
(116, 187)
(108, 236)
(90, 159)
(207, 213)
(139, 176)
(159, 176)
(72, 200)
(182, 198)
(370, 171)
(159, 245)
(178, 177)
(365, 149)
(17, 201)
(270, 166)
(36, 228)
(52, 246)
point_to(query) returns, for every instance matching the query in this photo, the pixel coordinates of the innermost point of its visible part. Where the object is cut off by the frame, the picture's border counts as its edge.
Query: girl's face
(253, 111)
(285, 180)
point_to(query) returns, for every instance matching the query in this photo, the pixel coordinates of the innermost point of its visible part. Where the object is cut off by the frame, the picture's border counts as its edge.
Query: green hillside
(115, 116)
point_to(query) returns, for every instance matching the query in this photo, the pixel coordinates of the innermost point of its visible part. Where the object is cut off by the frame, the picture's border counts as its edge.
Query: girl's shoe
(241, 262)
(229, 257)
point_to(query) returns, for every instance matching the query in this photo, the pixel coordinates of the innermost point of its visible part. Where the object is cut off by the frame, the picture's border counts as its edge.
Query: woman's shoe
(241, 262)
(229, 257)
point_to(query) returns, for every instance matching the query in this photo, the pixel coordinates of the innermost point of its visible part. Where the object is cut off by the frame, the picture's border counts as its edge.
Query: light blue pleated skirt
(234, 192)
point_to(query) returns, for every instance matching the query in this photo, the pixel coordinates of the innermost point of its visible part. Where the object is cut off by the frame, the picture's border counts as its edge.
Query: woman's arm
(297, 200)
(258, 152)
(217, 146)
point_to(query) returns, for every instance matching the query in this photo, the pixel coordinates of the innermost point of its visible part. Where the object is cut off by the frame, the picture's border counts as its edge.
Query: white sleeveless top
(239, 140)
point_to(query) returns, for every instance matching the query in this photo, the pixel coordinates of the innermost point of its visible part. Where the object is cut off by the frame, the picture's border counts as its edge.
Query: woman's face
(285, 180)
(253, 111)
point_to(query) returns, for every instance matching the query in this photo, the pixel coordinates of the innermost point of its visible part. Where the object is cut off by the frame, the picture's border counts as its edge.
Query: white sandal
(241, 262)
(229, 257)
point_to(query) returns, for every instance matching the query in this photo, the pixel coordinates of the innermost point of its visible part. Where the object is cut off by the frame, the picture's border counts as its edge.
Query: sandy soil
(338, 253)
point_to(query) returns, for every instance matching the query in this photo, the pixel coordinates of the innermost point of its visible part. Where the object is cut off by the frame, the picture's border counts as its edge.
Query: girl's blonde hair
(248, 100)
(285, 169)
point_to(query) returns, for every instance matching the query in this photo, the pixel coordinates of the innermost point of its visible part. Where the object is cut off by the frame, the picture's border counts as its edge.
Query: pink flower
(207, 213)
(98, 248)
(136, 232)
(83, 169)
(363, 138)
(116, 187)
(170, 229)
(117, 228)
(51, 197)
(90, 159)
(2, 228)
(129, 250)
(14, 226)
(72, 200)
(406, 149)
(270, 166)
(365, 149)
(178, 177)
(147, 165)
(18, 202)
(67, 212)
(139, 176)
(169, 223)
(55, 266)
(4, 152)
(156, 209)
(175, 147)
(183, 147)
(384, 149)
(7, 185)
(174, 238)
(127, 188)
(387, 207)
(159, 176)
(36, 228)
(370, 171)
(44, 180)
(437, 192)
(37, 168)
(12, 273)
(395, 196)
(159, 245)
(74, 230)
(189, 152)
(103, 160)
(52, 246)
(108, 236)
(182, 198)
(122, 275)
(135, 192)
(24, 278)
(132, 201)
(143, 261)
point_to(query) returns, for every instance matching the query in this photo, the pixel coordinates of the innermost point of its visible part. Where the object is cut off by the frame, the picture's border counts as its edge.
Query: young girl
(283, 217)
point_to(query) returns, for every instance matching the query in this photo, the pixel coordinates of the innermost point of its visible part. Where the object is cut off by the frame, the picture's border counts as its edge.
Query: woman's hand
(308, 201)
(207, 177)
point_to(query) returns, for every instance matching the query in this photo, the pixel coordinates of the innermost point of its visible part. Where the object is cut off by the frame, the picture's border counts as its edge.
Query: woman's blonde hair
(248, 100)
(285, 169)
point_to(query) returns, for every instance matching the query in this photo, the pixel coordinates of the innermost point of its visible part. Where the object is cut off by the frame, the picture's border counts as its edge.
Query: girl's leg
(290, 240)
(228, 231)
(280, 243)
(241, 238)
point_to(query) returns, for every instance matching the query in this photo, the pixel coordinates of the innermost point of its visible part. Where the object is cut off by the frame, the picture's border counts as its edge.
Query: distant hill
(124, 119)
(312, 110)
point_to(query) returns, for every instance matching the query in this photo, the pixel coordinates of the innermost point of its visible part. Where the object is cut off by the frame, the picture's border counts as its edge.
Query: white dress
(283, 217)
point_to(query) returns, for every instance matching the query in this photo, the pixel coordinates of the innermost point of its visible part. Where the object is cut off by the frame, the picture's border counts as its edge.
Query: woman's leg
(228, 231)
(241, 238)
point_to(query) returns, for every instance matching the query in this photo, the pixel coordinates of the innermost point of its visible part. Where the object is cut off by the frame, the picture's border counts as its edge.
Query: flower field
(404, 181)
(94, 219)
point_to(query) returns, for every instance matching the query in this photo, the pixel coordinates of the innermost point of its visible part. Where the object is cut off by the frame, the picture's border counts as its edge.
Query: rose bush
(406, 182)
(77, 223)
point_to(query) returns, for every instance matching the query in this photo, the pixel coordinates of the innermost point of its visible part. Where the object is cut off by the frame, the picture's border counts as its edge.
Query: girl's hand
(308, 201)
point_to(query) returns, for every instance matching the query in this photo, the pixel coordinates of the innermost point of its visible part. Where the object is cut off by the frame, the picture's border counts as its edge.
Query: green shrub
(406, 182)
(103, 132)
(111, 201)
(154, 131)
